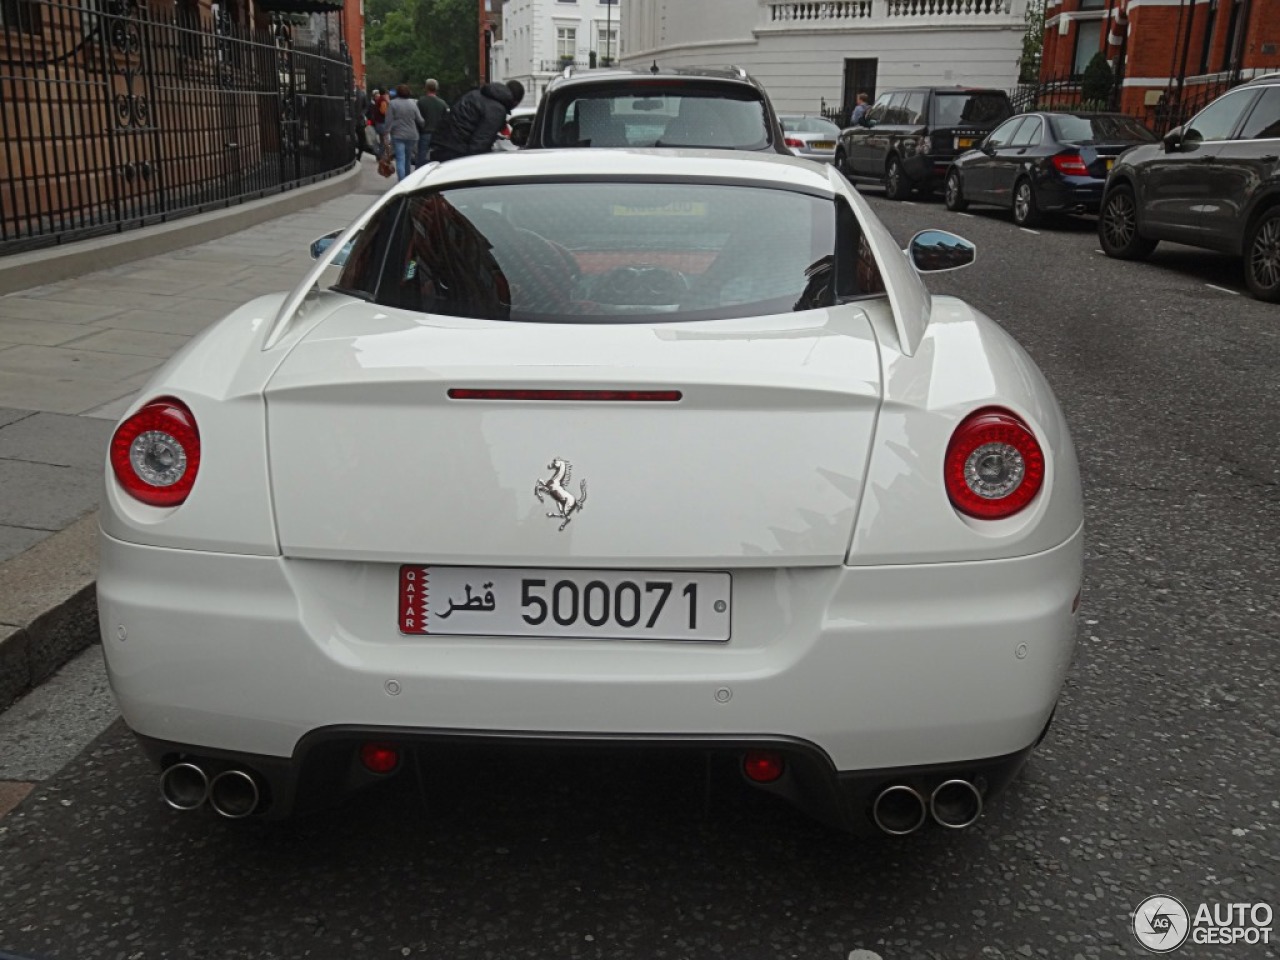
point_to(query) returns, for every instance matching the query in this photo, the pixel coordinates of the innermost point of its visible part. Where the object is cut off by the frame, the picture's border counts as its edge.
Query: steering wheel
(643, 286)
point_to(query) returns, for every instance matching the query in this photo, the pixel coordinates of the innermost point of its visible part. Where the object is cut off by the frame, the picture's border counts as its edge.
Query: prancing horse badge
(557, 489)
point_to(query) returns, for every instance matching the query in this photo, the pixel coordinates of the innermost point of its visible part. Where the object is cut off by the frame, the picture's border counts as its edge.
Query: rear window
(1069, 129)
(961, 109)
(612, 252)
(809, 125)
(660, 115)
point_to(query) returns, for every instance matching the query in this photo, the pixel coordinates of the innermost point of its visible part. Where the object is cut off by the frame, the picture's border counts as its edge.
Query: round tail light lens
(994, 465)
(156, 453)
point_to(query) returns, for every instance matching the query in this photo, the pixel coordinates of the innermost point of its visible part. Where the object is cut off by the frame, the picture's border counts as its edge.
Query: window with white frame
(607, 42)
(566, 42)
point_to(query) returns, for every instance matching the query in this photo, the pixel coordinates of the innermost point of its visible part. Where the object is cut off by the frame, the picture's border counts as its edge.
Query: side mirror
(321, 244)
(520, 133)
(932, 251)
(1173, 140)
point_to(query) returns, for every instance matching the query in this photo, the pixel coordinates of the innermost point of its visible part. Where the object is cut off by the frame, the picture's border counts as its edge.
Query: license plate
(581, 604)
(964, 143)
(823, 145)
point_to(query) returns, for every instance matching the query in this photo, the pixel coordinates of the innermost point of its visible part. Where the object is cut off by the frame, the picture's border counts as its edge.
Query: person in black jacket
(475, 121)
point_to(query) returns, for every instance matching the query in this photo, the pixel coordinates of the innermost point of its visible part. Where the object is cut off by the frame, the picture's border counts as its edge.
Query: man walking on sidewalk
(475, 121)
(433, 109)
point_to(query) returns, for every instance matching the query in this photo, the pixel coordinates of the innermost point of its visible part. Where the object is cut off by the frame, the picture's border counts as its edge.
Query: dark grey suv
(909, 137)
(1214, 182)
(658, 107)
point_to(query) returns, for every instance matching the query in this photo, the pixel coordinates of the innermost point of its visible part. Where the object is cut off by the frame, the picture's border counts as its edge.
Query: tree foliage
(1032, 43)
(407, 41)
(1097, 80)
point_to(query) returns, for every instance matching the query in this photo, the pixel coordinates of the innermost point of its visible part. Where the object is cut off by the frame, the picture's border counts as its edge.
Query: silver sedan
(810, 137)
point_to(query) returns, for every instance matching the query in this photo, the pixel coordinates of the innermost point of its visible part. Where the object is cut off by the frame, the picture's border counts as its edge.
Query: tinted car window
(877, 112)
(1003, 134)
(1027, 135)
(1216, 121)
(363, 270)
(658, 116)
(913, 109)
(976, 109)
(1264, 120)
(599, 252)
(1070, 129)
(895, 113)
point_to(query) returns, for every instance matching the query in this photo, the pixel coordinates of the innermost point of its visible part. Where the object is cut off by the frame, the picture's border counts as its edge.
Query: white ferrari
(669, 448)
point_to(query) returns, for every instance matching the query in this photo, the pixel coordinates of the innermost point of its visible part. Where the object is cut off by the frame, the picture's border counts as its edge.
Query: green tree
(407, 41)
(1032, 43)
(1097, 81)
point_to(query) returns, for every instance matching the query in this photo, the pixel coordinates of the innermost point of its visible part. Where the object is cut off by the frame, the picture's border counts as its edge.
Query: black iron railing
(115, 115)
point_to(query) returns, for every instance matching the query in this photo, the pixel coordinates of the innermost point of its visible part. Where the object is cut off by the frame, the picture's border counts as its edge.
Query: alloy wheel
(894, 178)
(1022, 203)
(953, 189)
(1119, 220)
(1264, 255)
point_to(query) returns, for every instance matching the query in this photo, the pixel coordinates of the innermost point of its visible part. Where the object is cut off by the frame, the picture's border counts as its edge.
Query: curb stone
(48, 607)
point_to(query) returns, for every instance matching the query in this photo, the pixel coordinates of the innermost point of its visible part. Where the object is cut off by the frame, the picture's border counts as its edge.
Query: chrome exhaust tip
(956, 804)
(899, 810)
(184, 786)
(234, 794)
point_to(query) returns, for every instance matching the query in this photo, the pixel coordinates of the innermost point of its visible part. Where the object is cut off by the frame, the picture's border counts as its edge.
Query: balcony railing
(837, 13)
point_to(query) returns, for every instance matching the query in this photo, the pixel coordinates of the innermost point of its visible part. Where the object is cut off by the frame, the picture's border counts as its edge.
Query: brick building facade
(1173, 55)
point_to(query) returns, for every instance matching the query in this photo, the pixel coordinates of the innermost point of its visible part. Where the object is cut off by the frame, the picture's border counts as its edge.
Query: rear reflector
(379, 757)
(576, 396)
(763, 767)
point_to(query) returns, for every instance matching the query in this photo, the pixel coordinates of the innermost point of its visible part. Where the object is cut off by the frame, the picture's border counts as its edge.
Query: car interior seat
(697, 124)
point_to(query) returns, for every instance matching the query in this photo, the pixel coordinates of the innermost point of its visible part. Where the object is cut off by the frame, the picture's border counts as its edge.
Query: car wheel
(1025, 211)
(1118, 226)
(896, 184)
(954, 197)
(1262, 257)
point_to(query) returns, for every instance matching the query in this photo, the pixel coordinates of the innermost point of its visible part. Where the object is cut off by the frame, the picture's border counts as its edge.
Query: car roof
(565, 164)
(730, 74)
(1264, 80)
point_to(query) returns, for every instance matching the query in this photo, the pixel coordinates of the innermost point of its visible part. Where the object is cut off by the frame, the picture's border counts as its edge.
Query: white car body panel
(826, 654)
(760, 463)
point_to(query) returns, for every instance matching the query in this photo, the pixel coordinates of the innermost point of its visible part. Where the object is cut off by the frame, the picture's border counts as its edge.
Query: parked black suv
(909, 137)
(1214, 182)
(658, 107)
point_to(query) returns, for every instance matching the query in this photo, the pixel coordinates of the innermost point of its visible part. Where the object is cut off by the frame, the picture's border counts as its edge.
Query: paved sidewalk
(72, 356)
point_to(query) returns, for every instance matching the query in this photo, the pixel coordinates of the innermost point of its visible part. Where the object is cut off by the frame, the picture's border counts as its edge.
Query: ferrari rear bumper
(847, 671)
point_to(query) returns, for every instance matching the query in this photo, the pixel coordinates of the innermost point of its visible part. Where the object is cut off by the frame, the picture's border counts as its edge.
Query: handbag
(386, 166)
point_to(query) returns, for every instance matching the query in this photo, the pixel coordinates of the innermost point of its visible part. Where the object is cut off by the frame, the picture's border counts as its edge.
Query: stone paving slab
(48, 333)
(32, 305)
(46, 497)
(61, 395)
(56, 439)
(134, 342)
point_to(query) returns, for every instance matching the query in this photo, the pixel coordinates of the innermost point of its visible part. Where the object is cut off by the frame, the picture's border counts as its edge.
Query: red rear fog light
(379, 757)
(763, 766)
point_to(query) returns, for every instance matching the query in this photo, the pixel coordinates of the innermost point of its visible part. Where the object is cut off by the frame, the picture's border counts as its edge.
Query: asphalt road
(1159, 776)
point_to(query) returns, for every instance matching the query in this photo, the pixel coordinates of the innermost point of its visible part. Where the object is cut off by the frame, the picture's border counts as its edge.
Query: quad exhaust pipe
(900, 810)
(233, 794)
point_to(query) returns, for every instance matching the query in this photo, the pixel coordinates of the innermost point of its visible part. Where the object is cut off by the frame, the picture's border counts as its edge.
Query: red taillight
(793, 143)
(379, 757)
(763, 767)
(994, 465)
(156, 453)
(578, 396)
(1071, 164)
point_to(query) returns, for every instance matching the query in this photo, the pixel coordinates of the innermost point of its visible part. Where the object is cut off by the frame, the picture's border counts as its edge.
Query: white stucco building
(829, 50)
(540, 37)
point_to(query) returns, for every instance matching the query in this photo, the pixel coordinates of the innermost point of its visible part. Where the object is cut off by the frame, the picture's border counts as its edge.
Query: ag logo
(1161, 924)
